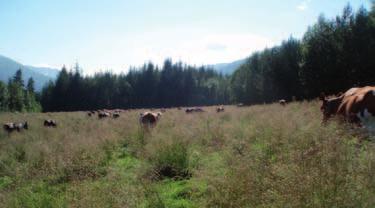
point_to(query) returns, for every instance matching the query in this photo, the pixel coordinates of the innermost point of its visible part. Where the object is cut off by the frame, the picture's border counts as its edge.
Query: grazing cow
(91, 113)
(220, 109)
(163, 110)
(103, 114)
(149, 119)
(9, 127)
(116, 115)
(282, 102)
(198, 110)
(357, 105)
(50, 123)
(192, 110)
(189, 110)
(240, 105)
(20, 126)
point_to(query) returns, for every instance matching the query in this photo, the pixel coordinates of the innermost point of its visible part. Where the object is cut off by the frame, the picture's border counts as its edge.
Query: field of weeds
(257, 156)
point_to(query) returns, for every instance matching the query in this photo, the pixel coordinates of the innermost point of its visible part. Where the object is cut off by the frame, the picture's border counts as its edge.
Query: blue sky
(116, 34)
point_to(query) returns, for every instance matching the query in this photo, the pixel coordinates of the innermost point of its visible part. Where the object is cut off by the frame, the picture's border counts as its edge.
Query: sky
(116, 34)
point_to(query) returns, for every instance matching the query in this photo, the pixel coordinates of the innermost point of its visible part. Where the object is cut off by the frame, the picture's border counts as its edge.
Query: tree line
(333, 55)
(16, 97)
(172, 85)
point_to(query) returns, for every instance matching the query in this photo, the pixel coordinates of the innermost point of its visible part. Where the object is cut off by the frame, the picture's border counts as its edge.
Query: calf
(50, 123)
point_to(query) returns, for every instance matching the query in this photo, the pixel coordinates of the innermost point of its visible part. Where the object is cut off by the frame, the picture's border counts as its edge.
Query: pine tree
(4, 96)
(30, 85)
(17, 78)
(16, 96)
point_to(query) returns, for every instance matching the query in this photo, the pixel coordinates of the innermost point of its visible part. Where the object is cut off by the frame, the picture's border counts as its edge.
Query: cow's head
(329, 106)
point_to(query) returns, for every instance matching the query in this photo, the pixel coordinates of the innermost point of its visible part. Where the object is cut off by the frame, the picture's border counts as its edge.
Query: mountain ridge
(228, 68)
(41, 75)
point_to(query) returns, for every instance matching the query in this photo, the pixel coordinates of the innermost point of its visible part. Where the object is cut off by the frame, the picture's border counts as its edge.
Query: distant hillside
(41, 75)
(228, 68)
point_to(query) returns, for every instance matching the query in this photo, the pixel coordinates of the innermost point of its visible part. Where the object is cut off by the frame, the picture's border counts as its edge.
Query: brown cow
(50, 123)
(282, 102)
(149, 119)
(357, 105)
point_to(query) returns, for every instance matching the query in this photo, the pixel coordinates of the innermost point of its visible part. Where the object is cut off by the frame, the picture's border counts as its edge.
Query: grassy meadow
(257, 156)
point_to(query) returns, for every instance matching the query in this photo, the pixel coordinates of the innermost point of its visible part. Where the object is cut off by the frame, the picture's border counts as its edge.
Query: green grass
(37, 194)
(258, 156)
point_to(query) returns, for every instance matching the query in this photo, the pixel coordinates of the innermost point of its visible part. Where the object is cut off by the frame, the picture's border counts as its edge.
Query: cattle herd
(357, 105)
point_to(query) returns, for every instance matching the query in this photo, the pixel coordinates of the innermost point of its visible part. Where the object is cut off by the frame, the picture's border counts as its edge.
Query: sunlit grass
(258, 156)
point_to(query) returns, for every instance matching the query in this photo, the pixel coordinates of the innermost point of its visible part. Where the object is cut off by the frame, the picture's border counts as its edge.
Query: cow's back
(357, 102)
(351, 91)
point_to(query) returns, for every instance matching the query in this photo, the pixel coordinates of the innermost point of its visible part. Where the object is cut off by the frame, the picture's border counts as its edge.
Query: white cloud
(45, 65)
(191, 47)
(207, 49)
(303, 5)
(216, 47)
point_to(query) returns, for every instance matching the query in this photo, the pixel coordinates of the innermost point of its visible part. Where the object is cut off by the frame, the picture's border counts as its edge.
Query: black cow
(50, 123)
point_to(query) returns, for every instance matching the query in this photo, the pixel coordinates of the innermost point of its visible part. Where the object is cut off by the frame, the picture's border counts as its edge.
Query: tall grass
(258, 156)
